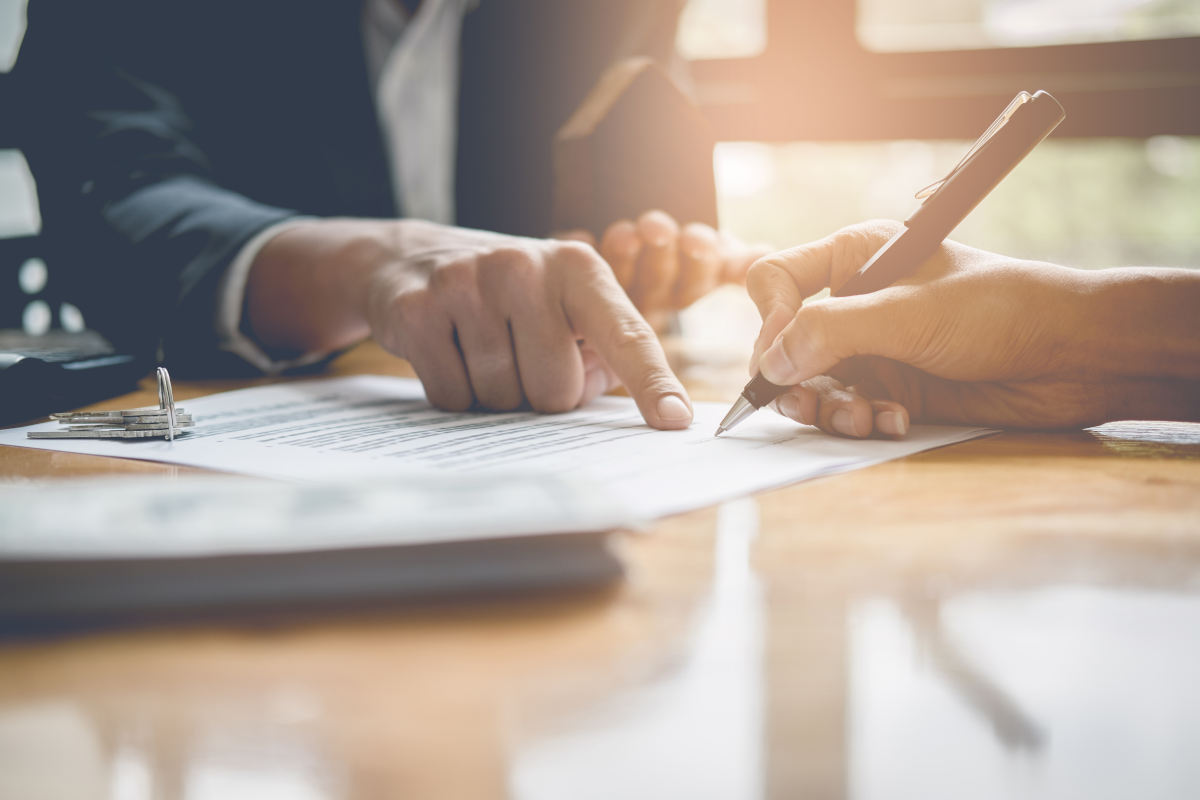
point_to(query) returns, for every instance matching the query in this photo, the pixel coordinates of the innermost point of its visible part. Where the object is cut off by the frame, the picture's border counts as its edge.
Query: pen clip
(1021, 99)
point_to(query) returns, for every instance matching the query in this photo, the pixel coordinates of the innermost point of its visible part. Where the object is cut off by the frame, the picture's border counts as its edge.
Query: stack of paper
(383, 493)
(151, 546)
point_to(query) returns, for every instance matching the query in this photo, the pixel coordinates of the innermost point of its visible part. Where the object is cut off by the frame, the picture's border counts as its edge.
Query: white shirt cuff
(231, 298)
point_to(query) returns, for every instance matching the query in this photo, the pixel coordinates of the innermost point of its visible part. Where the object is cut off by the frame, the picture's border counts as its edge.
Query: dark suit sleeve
(138, 228)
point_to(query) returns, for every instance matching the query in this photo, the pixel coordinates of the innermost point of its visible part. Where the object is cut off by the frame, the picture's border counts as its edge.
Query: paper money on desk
(375, 425)
(147, 546)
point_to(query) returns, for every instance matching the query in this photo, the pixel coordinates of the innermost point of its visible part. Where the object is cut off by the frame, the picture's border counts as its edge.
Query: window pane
(902, 25)
(1092, 204)
(722, 29)
(1085, 203)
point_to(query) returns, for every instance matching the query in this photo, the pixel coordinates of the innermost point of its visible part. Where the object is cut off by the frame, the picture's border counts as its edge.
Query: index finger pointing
(601, 313)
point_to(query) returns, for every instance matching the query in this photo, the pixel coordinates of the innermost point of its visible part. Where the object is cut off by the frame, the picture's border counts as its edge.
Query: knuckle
(583, 269)
(405, 315)
(631, 333)
(765, 271)
(512, 256)
(697, 234)
(454, 277)
(509, 265)
(410, 305)
(762, 279)
(759, 275)
(575, 235)
(658, 221)
(620, 232)
(576, 254)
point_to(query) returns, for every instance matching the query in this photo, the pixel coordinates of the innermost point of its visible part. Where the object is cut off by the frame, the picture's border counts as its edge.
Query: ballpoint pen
(1025, 122)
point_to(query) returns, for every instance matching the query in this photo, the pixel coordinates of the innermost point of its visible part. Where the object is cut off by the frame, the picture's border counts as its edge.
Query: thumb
(827, 332)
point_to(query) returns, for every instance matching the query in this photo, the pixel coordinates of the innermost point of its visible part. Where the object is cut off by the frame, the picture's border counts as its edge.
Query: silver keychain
(163, 421)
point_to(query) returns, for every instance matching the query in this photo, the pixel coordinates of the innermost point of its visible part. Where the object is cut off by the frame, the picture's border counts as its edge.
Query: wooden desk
(1013, 616)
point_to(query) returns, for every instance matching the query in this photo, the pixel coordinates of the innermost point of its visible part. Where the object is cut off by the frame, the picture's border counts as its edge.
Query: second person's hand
(973, 337)
(665, 267)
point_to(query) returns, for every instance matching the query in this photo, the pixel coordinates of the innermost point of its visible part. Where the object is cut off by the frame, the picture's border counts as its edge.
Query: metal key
(115, 416)
(156, 420)
(163, 420)
(99, 433)
(131, 426)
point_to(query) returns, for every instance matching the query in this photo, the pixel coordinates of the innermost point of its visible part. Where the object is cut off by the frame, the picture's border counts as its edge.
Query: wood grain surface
(459, 699)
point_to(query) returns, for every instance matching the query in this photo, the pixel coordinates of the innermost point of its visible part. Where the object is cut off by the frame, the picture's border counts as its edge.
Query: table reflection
(1049, 663)
(692, 728)
(769, 648)
(1061, 691)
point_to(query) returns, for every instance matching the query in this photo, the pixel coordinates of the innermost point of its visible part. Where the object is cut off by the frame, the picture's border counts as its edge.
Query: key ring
(150, 422)
(166, 400)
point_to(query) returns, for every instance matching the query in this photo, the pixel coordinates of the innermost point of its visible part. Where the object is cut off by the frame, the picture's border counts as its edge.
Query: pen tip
(720, 430)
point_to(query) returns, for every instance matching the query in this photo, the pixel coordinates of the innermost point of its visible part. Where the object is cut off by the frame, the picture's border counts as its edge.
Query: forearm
(1145, 326)
(1151, 321)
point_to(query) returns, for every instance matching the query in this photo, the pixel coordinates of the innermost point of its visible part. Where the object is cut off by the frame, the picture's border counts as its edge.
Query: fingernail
(789, 406)
(777, 367)
(843, 421)
(672, 409)
(892, 423)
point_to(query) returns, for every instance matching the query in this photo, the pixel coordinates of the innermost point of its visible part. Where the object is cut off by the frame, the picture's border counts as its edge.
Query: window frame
(1114, 89)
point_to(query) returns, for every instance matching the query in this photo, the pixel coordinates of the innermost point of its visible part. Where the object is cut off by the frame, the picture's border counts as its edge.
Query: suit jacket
(163, 135)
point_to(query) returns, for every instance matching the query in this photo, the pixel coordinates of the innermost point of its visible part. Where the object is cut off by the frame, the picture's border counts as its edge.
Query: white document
(142, 547)
(370, 425)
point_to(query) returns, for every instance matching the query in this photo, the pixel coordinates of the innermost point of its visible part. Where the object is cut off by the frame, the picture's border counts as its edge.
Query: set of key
(166, 420)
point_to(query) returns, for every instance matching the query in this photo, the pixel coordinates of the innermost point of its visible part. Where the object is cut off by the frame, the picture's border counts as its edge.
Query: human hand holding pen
(974, 337)
(1023, 123)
